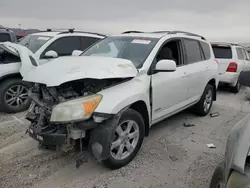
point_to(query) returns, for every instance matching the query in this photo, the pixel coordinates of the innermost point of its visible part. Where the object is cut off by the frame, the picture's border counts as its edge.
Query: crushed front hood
(65, 69)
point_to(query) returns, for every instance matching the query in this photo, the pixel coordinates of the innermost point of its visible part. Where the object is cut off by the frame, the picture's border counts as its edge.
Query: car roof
(225, 44)
(146, 35)
(5, 30)
(67, 33)
(160, 34)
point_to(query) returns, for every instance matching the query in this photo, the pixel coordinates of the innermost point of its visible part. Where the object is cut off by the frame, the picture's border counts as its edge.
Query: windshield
(135, 49)
(4, 37)
(222, 52)
(34, 42)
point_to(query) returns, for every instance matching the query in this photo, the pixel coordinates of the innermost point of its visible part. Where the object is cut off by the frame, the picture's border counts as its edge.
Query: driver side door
(169, 89)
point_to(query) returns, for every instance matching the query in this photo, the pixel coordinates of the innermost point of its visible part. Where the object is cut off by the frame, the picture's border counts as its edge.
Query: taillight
(232, 67)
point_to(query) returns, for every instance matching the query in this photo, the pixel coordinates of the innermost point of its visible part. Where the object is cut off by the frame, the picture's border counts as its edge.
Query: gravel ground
(172, 156)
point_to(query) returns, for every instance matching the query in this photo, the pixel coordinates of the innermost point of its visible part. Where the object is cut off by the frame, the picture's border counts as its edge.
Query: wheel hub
(16, 96)
(126, 139)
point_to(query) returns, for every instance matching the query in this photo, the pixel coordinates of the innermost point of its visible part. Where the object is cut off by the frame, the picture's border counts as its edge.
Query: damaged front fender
(101, 137)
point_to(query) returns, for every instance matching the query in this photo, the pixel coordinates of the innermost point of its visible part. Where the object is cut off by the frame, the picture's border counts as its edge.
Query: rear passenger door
(197, 55)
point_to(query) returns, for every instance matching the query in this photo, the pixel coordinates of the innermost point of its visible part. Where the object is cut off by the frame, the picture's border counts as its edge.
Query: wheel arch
(141, 108)
(212, 82)
(9, 76)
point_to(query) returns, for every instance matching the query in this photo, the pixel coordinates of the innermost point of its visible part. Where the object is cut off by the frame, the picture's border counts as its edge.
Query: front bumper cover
(47, 138)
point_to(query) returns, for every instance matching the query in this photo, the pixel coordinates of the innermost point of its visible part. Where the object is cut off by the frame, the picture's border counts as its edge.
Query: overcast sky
(218, 20)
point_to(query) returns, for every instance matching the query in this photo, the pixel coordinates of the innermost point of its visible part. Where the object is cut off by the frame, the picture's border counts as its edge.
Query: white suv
(116, 90)
(45, 46)
(233, 59)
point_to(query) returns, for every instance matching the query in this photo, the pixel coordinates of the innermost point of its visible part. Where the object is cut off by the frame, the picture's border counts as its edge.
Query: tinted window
(135, 49)
(222, 52)
(240, 53)
(87, 42)
(4, 37)
(34, 42)
(193, 51)
(65, 46)
(206, 50)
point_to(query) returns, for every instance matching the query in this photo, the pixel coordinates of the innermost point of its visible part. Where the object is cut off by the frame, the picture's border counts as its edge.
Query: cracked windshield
(124, 94)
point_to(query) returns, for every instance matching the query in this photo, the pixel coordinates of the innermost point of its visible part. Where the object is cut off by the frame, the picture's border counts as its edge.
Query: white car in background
(45, 46)
(233, 59)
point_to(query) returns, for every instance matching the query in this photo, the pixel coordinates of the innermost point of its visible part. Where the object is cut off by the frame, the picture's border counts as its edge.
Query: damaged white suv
(117, 89)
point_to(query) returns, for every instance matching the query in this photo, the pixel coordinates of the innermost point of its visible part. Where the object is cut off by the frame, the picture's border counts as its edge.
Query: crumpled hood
(237, 148)
(66, 69)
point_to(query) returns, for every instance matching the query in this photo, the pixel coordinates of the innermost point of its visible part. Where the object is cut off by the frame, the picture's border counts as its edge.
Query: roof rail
(225, 43)
(160, 32)
(187, 33)
(183, 32)
(58, 29)
(73, 31)
(132, 32)
(5, 28)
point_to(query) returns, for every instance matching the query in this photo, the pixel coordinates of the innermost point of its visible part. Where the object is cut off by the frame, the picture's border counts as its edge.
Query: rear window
(4, 37)
(222, 52)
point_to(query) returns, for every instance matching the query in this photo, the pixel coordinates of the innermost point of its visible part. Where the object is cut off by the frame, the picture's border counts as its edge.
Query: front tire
(14, 96)
(126, 140)
(203, 107)
(217, 178)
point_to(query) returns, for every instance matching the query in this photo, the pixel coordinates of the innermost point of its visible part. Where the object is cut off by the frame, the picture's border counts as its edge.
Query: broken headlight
(77, 109)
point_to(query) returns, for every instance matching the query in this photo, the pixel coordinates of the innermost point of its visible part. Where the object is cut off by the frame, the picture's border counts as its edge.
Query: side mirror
(51, 54)
(165, 66)
(76, 53)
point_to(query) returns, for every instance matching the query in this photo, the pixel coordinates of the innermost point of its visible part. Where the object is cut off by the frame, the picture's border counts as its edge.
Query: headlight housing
(75, 110)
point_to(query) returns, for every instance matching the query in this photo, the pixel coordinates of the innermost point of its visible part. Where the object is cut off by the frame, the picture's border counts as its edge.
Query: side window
(240, 53)
(64, 46)
(171, 51)
(87, 42)
(247, 55)
(193, 51)
(206, 50)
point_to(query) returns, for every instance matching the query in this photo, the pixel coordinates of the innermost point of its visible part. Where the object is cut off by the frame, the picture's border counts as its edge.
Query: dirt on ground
(173, 155)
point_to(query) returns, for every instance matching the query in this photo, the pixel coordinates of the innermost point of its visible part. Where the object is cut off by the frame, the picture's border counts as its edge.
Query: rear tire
(203, 107)
(236, 88)
(128, 116)
(217, 178)
(9, 90)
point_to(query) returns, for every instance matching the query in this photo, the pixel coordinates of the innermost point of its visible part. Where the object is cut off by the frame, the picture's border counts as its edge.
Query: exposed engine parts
(63, 134)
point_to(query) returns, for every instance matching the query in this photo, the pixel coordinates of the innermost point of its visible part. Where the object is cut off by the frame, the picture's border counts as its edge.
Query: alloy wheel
(208, 100)
(16, 96)
(125, 141)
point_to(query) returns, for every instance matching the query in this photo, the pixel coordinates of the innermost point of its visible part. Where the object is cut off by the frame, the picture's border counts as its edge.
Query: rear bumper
(229, 78)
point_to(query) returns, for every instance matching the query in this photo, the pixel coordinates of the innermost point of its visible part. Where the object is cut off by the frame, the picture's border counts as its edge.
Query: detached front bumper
(47, 138)
(229, 78)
